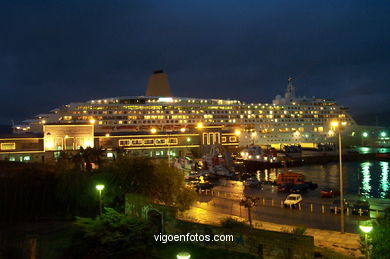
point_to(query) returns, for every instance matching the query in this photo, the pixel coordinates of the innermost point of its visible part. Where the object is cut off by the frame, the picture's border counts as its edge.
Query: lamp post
(337, 125)
(100, 187)
(366, 230)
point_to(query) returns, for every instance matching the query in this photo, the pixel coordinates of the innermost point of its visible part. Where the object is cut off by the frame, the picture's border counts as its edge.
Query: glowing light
(366, 229)
(365, 134)
(344, 123)
(165, 99)
(99, 187)
(66, 136)
(258, 157)
(183, 130)
(107, 135)
(237, 132)
(183, 255)
(49, 143)
(43, 121)
(334, 124)
(199, 125)
(153, 130)
(188, 139)
(88, 143)
(92, 121)
(383, 134)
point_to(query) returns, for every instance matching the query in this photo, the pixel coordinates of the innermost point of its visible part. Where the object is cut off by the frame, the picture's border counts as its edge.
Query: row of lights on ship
(334, 124)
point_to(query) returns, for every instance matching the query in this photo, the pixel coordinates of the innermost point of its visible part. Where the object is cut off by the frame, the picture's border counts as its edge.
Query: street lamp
(336, 125)
(199, 125)
(183, 255)
(366, 230)
(100, 187)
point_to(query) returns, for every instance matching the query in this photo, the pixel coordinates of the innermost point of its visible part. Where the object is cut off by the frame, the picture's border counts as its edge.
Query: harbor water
(367, 178)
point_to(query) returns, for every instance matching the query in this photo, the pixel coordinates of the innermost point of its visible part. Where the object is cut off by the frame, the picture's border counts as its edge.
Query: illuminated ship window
(223, 139)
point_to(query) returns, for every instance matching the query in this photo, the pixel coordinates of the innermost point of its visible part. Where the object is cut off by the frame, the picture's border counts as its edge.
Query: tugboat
(289, 177)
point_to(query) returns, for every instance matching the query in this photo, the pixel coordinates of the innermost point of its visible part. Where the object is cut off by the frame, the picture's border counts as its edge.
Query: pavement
(347, 243)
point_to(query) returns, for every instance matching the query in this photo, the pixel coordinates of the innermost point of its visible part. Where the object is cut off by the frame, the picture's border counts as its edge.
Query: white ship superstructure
(288, 120)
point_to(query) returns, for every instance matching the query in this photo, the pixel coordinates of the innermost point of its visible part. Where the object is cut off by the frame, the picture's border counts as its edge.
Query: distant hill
(5, 129)
(381, 119)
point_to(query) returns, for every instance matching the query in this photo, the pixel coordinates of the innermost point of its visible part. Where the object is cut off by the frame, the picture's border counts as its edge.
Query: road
(226, 196)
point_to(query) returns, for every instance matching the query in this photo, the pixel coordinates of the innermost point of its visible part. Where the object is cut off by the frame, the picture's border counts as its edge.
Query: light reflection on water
(384, 186)
(370, 177)
(366, 178)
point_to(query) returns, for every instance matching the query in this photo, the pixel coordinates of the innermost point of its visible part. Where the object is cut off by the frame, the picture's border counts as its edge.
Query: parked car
(285, 187)
(336, 205)
(299, 188)
(329, 192)
(252, 182)
(364, 205)
(292, 200)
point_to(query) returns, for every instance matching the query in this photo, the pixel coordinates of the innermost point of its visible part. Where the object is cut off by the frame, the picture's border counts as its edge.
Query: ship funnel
(158, 85)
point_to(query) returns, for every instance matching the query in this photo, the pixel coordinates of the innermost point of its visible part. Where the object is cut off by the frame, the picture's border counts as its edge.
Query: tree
(249, 202)
(154, 180)
(92, 155)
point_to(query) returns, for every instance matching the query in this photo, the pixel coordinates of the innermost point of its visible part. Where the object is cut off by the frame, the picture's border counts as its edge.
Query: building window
(223, 139)
(173, 141)
(148, 141)
(136, 142)
(26, 158)
(124, 142)
(233, 139)
(8, 146)
(160, 141)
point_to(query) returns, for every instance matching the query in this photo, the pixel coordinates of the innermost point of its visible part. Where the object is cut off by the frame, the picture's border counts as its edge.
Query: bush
(233, 223)
(116, 235)
(299, 230)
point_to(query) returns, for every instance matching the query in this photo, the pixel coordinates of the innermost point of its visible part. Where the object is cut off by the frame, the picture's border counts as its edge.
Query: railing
(302, 206)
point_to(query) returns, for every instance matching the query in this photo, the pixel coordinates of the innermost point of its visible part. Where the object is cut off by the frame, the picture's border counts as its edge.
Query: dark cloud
(56, 52)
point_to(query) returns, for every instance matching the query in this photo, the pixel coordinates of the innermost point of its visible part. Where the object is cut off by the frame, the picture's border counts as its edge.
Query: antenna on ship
(290, 93)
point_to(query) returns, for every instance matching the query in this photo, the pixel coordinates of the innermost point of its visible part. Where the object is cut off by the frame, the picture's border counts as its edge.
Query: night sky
(56, 52)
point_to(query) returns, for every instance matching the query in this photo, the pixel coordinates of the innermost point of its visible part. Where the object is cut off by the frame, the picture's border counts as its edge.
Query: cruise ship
(287, 120)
